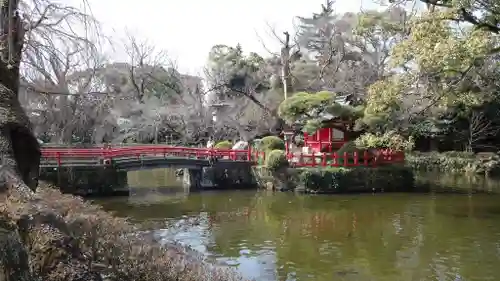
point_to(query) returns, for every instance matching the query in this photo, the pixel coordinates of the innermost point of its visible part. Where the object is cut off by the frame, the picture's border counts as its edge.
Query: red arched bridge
(162, 156)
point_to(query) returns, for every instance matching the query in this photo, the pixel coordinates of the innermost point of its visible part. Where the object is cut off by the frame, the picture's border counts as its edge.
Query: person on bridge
(210, 145)
(240, 145)
(211, 142)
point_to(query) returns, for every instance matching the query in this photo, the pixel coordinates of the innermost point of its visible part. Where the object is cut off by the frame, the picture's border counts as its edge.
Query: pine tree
(316, 32)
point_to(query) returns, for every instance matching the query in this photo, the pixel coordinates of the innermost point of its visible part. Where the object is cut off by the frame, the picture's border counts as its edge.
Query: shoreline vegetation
(60, 237)
(455, 162)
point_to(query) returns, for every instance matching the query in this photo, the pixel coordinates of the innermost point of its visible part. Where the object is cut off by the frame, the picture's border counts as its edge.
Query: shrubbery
(224, 145)
(390, 139)
(455, 162)
(270, 143)
(256, 143)
(276, 160)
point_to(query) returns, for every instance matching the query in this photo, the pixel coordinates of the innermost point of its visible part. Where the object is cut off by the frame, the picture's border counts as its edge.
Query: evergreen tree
(316, 32)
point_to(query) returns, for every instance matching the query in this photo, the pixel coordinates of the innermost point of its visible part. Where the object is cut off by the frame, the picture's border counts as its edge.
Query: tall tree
(244, 86)
(27, 26)
(346, 53)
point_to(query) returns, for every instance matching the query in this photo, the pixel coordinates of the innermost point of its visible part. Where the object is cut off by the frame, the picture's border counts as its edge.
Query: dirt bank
(60, 237)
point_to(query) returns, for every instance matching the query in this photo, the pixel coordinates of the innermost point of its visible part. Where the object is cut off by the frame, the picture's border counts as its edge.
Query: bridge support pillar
(240, 176)
(87, 181)
(192, 179)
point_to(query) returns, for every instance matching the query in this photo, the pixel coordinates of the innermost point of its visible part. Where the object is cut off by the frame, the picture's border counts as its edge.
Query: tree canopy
(427, 73)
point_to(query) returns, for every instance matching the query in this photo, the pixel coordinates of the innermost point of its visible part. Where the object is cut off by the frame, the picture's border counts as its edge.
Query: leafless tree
(480, 128)
(154, 98)
(150, 68)
(81, 100)
(26, 28)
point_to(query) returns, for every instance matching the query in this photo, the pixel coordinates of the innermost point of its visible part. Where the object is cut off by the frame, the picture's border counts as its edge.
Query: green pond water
(281, 236)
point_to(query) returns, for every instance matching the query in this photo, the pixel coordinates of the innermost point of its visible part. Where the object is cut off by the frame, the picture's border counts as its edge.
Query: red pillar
(287, 144)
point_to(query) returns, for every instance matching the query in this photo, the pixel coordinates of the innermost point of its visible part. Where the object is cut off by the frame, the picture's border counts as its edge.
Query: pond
(281, 236)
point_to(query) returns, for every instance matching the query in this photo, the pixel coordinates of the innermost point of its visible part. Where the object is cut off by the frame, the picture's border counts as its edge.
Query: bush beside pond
(455, 162)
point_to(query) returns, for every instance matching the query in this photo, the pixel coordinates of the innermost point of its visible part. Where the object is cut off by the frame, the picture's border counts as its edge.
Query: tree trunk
(19, 148)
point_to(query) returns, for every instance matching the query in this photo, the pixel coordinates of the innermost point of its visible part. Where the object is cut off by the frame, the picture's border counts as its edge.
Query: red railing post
(58, 156)
(346, 159)
(335, 159)
(324, 160)
(355, 154)
(249, 152)
(365, 158)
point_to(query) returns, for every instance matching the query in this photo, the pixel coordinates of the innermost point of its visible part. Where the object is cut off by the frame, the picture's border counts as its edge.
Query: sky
(187, 30)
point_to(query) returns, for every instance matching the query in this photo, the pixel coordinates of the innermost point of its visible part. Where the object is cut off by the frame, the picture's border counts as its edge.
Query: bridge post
(192, 179)
(249, 152)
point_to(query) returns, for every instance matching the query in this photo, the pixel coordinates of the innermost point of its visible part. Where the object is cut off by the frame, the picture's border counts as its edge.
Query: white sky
(187, 29)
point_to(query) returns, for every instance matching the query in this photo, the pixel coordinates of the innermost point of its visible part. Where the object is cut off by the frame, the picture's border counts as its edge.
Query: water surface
(283, 236)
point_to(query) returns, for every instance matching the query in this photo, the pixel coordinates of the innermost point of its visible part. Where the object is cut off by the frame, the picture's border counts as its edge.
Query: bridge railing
(90, 156)
(346, 159)
(60, 156)
(173, 151)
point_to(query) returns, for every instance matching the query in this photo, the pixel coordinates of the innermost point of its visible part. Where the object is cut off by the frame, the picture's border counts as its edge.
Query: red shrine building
(333, 134)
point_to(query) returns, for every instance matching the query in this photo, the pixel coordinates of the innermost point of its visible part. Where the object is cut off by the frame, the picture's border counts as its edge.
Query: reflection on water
(356, 237)
(458, 182)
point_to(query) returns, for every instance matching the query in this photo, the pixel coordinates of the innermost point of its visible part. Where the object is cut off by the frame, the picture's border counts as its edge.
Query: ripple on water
(227, 261)
(245, 252)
